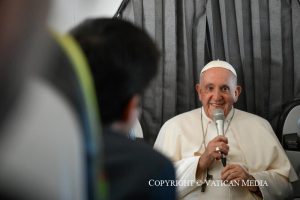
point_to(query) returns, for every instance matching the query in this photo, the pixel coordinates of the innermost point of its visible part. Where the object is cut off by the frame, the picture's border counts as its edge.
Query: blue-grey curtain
(260, 38)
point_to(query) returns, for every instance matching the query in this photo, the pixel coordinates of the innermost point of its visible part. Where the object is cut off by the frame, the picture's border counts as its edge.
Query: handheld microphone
(218, 116)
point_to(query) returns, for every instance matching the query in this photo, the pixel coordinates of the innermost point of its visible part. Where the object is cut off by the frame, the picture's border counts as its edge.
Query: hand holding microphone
(210, 154)
(218, 117)
(217, 148)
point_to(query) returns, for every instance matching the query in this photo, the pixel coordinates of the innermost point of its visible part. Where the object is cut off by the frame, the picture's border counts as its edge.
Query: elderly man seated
(202, 140)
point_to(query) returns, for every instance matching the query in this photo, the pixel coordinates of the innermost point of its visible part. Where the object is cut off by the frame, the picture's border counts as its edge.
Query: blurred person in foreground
(22, 24)
(123, 60)
(40, 137)
(256, 165)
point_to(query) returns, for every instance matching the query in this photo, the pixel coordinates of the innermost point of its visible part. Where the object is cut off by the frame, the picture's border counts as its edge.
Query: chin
(213, 107)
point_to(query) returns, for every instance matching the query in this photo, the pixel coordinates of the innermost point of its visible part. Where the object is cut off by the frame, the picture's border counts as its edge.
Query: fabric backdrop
(260, 38)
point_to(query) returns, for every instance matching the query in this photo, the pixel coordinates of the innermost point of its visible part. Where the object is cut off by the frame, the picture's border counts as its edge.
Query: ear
(237, 93)
(198, 89)
(131, 108)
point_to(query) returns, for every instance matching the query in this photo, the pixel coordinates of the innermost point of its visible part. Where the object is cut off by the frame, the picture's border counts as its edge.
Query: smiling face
(217, 89)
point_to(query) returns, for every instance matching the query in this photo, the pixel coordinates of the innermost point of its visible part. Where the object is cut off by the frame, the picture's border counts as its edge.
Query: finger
(227, 168)
(225, 173)
(224, 176)
(221, 138)
(217, 144)
(223, 147)
(233, 171)
(230, 175)
(215, 155)
(218, 155)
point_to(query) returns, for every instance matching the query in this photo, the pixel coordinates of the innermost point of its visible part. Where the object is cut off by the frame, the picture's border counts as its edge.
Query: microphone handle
(223, 160)
(220, 129)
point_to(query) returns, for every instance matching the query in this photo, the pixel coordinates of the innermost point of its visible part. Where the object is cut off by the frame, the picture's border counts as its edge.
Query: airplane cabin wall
(65, 14)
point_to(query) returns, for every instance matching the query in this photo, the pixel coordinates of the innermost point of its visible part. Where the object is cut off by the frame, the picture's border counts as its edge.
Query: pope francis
(256, 166)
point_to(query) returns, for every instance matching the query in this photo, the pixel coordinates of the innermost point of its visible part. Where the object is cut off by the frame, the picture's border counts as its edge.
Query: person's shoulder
(132, 165)
(247, 117)
(117, 144)
(188, 116)
(154, 157)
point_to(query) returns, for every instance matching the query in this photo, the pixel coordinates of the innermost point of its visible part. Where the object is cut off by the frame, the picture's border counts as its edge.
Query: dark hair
(123, 60)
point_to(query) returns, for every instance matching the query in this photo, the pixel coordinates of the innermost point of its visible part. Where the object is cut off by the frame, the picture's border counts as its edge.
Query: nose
(217, 95)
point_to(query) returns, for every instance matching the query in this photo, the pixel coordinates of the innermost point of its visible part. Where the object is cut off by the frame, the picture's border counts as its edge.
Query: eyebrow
(211, 84)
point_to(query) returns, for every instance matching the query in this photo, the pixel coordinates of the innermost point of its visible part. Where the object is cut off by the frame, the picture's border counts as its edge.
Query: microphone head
(218, 114)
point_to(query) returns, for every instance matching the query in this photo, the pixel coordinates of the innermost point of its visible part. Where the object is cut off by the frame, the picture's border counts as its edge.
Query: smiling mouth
(217, 104)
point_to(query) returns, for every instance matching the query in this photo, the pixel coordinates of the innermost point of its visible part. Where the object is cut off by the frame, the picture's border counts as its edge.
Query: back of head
(123, 60)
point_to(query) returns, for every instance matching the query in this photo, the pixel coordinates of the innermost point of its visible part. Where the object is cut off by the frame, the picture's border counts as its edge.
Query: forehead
(217, 75)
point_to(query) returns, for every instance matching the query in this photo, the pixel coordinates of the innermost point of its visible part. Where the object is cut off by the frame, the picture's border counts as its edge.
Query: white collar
(227, 119)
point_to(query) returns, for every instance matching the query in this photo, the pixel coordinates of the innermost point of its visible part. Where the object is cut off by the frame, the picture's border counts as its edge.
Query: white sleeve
(267, 162)
(279, 187)
(276, 187)
(186, 175)
(168, 143)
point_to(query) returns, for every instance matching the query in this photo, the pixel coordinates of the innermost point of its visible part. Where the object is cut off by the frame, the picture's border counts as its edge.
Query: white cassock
(252, 144)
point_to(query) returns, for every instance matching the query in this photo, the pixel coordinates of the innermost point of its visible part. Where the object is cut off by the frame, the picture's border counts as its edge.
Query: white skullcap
(218, 63)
